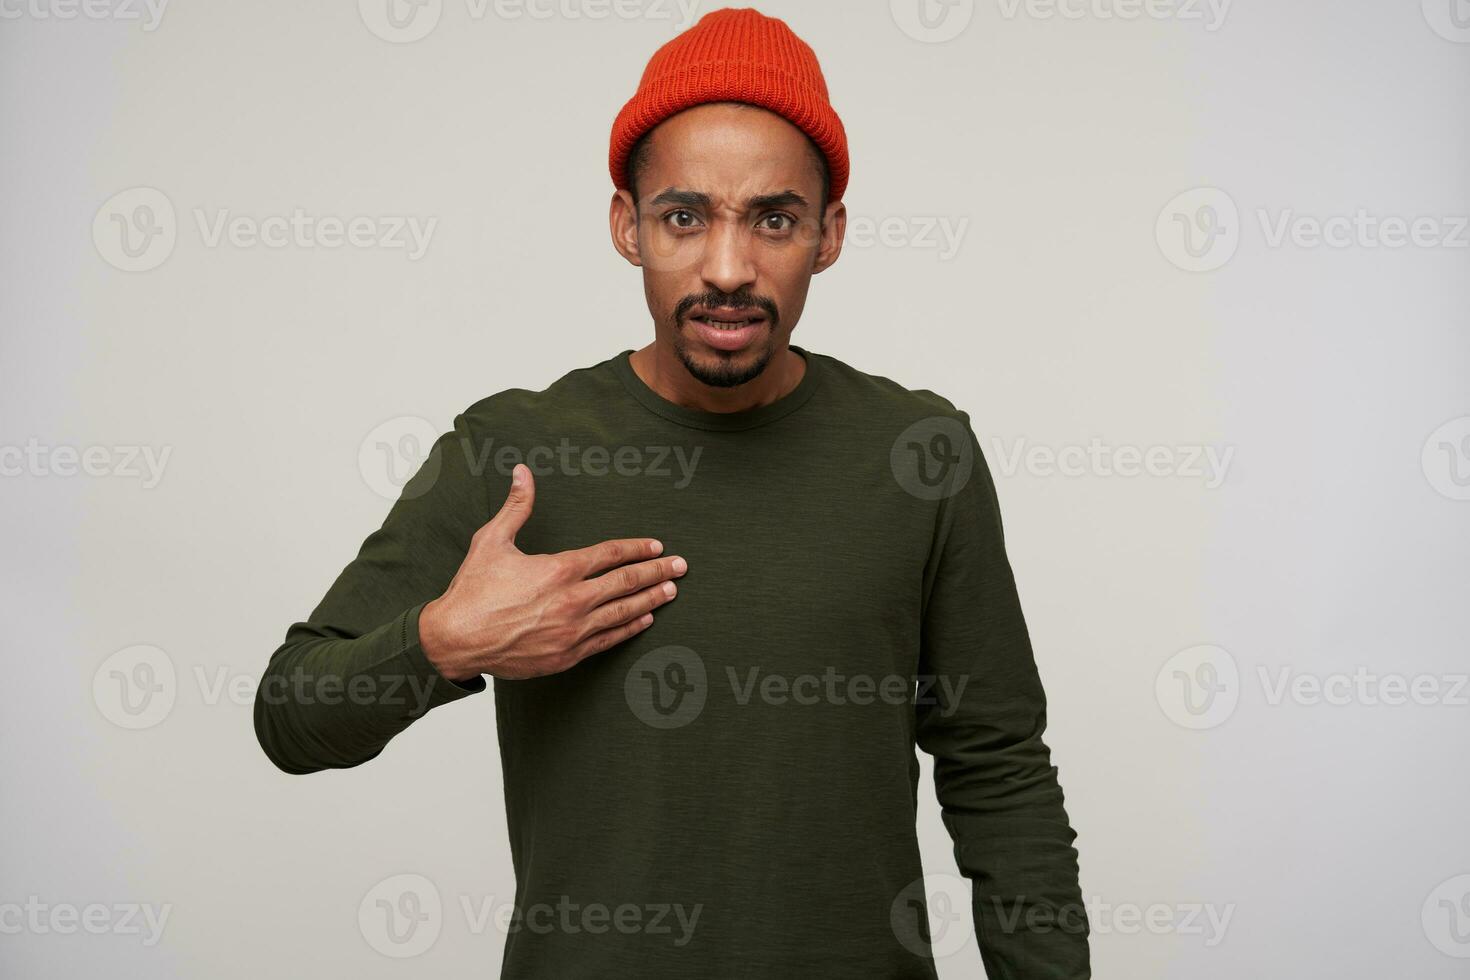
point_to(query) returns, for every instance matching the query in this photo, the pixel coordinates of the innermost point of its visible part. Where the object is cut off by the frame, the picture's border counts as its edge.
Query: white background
(1326, 837)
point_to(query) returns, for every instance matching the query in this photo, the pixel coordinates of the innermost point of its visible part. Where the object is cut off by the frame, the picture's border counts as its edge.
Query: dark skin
(730, 205)
(730, 226)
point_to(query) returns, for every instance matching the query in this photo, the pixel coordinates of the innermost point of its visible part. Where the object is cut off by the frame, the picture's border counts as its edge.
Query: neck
(660, 368)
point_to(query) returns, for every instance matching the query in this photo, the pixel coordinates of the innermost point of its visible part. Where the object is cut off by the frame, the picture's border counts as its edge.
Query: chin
(726, 369)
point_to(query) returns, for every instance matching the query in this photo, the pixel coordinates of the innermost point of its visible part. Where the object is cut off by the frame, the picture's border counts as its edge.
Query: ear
(834, 227)
(622, 221)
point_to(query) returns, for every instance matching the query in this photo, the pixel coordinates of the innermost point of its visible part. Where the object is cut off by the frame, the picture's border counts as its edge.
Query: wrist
(436, 639)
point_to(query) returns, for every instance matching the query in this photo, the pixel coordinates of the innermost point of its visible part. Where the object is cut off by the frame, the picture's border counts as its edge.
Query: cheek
(786, 280)
(666, 254)
(664, 290)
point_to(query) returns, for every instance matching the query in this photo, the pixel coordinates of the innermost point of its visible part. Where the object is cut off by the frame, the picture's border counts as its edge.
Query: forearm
(1013, 840)
(332, 702)
(1003, 801)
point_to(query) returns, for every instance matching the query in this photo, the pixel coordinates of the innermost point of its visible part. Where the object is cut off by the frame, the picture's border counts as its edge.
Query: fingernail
(669, 589)
(518, 475)
(655, 546)
(680, 566)
(647, 618)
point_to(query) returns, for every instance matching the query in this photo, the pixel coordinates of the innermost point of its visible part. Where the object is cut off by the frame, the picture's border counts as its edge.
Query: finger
(609, 638)
(609, 554)
(626, 608)
(517, 507)
(630, 578)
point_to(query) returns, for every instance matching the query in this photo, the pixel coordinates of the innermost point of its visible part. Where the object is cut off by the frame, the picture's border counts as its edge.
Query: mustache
(742, 300)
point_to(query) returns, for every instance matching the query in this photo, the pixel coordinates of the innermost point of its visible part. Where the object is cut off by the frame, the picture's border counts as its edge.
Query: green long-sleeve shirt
(732, 792)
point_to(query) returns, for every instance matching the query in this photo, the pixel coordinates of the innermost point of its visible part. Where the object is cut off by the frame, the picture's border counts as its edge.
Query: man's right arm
(354, 674)
(438, 597)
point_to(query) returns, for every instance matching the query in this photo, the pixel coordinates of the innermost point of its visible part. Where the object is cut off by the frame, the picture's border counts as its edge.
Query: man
(722, 784)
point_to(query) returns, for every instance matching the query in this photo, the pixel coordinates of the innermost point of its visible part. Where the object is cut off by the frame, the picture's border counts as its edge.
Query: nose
(726, 264)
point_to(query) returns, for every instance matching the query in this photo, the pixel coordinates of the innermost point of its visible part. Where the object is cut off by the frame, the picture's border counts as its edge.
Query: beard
(727, 369)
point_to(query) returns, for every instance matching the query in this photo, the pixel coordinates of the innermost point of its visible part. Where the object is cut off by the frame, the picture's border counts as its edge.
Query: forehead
(731, 150)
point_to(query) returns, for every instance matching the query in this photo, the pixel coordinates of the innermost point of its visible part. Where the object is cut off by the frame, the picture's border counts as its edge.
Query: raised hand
(514, 615)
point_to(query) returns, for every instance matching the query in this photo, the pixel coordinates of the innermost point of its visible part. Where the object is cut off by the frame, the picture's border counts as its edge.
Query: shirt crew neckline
(721, 421)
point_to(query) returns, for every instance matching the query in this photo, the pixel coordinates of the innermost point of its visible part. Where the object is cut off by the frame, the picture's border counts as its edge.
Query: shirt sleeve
(353, 675)
(1001, 799)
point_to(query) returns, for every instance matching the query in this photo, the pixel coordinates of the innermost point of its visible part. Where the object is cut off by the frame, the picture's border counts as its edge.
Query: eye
(681, 218)
(777, 221)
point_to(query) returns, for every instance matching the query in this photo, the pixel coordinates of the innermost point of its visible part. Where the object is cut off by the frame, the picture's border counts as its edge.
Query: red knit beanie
(734, 54)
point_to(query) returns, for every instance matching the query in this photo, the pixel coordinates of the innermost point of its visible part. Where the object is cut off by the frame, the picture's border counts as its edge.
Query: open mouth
(729, 322)
(728, 330)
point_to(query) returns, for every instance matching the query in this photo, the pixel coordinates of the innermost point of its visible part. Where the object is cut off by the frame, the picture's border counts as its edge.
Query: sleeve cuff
(439, 689)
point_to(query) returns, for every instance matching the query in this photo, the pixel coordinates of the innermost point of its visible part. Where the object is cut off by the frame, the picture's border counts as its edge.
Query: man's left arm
(982, 720)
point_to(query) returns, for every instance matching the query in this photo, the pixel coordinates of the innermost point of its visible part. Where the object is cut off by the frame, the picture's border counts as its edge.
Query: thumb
(518, 503)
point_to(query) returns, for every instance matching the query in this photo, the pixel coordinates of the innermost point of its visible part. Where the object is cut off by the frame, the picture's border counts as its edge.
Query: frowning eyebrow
(699, 199)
